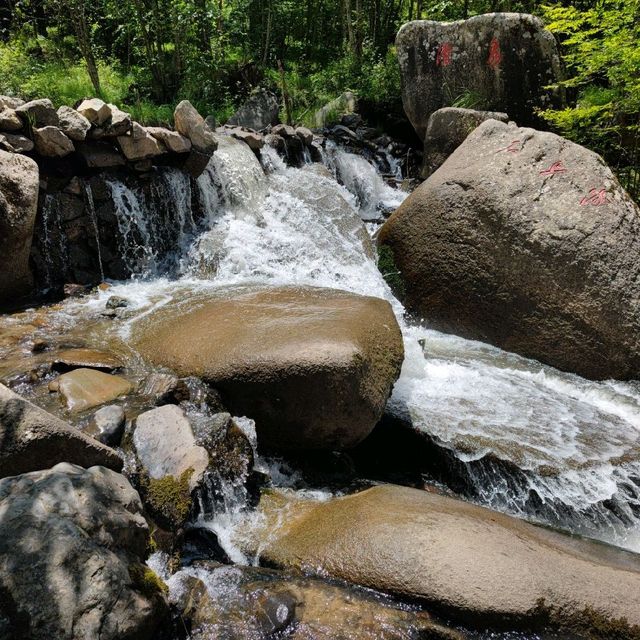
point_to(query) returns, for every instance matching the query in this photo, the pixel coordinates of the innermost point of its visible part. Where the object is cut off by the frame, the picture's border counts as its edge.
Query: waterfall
(518, 436)
(52, 240)
(94, 221)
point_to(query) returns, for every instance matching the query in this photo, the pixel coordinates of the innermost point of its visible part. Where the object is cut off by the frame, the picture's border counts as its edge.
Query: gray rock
(117, 302)
(9, 120)
(72, 544)
(108, 425)
(166, 446)
(33, 439)
(10, 102)
(172, 140)
(192, 125)
(119, 123)
(258, 112)
(19, 182)
(15, 143)
(343, 104)
(140, 145)
(73, 124)
(284, 130)
(99, 155)
(160, 387)
(254, 140)
(51, 142)
(196, 162)
(527, 241)
(96, 111)
(497, 61)
(38, 113)
(306, 135)
(447, 129)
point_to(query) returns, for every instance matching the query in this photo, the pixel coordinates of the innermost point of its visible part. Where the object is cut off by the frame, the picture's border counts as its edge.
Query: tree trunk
(81, 28)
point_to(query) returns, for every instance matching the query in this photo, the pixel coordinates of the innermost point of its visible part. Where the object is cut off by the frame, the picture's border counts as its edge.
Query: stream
(526, 439)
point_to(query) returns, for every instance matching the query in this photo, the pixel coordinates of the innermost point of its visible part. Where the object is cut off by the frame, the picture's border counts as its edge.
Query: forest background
(146, 55)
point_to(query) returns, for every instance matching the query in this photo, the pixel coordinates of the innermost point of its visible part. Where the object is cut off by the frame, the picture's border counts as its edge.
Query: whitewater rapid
(573, 445)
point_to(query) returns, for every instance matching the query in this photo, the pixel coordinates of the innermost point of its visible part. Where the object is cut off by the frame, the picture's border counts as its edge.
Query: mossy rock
(168, 499)
(147, 581)
(389, 270)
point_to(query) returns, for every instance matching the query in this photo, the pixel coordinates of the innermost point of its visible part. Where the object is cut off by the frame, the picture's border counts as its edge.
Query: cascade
(94, 222)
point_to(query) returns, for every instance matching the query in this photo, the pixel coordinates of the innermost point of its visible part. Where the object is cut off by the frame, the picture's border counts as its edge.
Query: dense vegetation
(148, 54)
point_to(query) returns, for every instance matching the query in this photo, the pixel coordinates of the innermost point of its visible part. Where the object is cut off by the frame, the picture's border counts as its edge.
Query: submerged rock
(313, 367)
(87, 388)
(527, 241)
(496, 61)
(466, 560)
(19, 181)
(72, 546)
(34, 439)
(262, 603)
(69, 359)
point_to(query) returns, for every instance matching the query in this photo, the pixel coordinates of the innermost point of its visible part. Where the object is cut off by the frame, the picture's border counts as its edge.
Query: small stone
(108, 423)
(306, 135)
(140, 145)
(10, 102)
(172, 140)
(161, 387)
(117, 302)
(39, 345)
(74, 290)
(119, 124)
(255, 141)
(15, 143)
(284, 130)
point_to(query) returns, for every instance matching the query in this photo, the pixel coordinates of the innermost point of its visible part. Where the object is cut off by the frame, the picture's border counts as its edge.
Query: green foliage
(389, 270)
(169, 499)
(601, 50)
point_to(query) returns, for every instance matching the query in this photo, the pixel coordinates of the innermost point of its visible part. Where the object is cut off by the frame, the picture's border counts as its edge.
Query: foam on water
(574, 443)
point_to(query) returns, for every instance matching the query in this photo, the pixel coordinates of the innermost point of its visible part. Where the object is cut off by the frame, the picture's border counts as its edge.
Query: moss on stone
(169, 499)
(389, 270)
(146, 581)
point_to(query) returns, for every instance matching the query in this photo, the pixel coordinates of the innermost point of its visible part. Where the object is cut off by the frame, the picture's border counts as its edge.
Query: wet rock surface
(313, 367)
(34, 439)
(466, 560)
(527, 241)
(84, 389)
(72, 546)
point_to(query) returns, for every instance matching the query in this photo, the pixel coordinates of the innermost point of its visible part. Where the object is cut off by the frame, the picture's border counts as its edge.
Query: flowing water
(524, 438)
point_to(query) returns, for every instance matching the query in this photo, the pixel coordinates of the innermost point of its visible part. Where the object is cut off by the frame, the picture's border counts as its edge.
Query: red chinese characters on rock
(444, 54)
(556, 167)
(495, 55)
(596, 198)
(514, 147)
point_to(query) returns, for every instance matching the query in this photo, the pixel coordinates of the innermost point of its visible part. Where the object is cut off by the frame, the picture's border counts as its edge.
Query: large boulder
(38, 113)
(447, 129)
(140, 144)
(498, 61)
(9, 120)
(313, 367)
(468, 561)
(259, 111)
(72, 547)
(74, 124)
(19, 181)
(172, 140)
(527, 241)
(96, 111)
(51, 142)
(32, 439)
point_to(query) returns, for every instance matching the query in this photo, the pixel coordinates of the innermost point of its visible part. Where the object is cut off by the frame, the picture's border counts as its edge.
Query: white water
(575, 442)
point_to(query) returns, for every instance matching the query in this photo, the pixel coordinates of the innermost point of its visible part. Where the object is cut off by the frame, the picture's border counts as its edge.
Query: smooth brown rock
(33, 439)
(525, 240)
(467, 560)
(87, 358)
(72, 546)
(51, 142)
(19, 182)
(314, 367)
(254, 140)
(86, 388)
